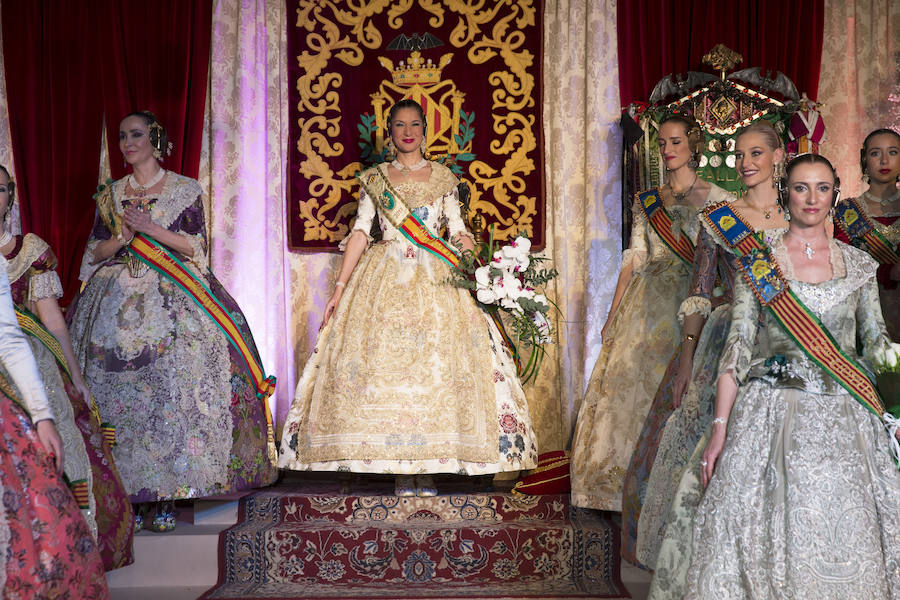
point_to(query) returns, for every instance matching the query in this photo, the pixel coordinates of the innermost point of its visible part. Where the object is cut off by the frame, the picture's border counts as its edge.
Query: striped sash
(764, 277)
(853, 220)
(379, 188)
(164, 262)
(31, 325)
(661, 221)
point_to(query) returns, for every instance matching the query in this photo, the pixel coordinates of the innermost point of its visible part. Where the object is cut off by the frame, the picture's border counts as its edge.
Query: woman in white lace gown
(803, 496)
(408, 375)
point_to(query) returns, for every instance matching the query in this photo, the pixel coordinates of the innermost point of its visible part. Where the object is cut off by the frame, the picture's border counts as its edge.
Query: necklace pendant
(768, 215)
(809, 251)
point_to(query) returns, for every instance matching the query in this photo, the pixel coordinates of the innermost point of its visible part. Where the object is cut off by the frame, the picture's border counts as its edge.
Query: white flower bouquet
(509, 279)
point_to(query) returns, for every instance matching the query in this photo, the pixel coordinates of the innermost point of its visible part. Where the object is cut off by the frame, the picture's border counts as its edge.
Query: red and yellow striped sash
(31, 325)
(164, 262)
(661, 221)
(853, 220)
(764, 277)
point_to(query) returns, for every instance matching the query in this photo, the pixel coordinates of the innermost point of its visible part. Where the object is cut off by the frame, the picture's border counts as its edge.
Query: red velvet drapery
(55, 114)
(659, 37)
(158, 60)
(68, 62)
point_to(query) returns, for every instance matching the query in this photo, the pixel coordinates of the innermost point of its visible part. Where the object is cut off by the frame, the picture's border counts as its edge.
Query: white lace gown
(805, 499)
(409, 376)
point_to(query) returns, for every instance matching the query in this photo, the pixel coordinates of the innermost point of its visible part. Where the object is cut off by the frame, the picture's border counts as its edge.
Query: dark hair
(406, 103)
(807, 159)
(865, 145)
(159, 138)
(11, 187)
(692, 130)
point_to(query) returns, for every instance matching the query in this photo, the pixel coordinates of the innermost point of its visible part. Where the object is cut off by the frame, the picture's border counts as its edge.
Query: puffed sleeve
(365, 214)
(15, 353)
(455, 224)
(636, 254)
(703, 279)
(742, 333)
(870, 325)
(43, 282)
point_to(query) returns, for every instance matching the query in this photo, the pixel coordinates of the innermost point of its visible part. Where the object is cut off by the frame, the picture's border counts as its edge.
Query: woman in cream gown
(803, 495)
(408, 375)
(641, 333)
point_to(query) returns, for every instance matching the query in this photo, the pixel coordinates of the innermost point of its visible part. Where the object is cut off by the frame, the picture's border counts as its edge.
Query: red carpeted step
(479, 545)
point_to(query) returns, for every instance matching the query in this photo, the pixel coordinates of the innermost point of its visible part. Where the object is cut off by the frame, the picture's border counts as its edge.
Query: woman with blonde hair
(759, 161)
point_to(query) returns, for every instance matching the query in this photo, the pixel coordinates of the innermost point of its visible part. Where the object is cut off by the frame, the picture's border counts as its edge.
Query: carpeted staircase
(312, 541)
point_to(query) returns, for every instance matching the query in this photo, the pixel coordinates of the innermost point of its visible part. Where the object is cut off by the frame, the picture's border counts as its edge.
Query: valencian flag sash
(851, 217)
(661, 221)
(379, 188)
(164, 262)
(31, 325)
(770, 287)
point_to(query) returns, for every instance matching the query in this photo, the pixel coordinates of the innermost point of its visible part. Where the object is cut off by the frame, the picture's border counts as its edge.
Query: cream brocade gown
(805, 498)
(643, 334)
(409, 375)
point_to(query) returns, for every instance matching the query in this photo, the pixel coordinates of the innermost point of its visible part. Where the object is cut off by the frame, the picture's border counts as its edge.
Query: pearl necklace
(407, 169)
(882, 201)
(141, 190)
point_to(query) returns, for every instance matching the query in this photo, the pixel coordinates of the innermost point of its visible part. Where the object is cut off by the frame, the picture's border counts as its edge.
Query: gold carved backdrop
(475, 68)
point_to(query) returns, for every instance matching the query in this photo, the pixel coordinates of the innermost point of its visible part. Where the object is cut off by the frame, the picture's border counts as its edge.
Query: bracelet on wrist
(688, 337)
(720, 421)
(338, 284)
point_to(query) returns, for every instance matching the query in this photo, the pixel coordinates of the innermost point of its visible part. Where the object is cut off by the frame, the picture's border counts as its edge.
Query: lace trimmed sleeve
(741, 337)
(99, 234)
(636, 254)
(455, 223)
(365, 214)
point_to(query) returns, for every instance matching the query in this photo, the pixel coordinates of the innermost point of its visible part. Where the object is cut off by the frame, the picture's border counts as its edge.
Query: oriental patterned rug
(298, 542)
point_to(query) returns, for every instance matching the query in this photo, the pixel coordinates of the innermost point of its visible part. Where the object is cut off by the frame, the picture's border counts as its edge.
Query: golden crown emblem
(419, 71)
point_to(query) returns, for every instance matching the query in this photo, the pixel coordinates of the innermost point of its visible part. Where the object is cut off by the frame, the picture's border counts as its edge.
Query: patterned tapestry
(474, 67)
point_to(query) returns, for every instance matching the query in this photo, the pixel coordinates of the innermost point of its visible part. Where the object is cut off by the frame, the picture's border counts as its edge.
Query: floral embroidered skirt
(409, 376)
(48, 550)
(188, 422)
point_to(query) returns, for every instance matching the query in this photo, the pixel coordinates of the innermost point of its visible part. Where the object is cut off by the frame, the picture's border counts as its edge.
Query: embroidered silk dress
(687, 424)
(805, 498)
(643, 336)
(888, 226)
(46, 548)
(32, 273)
(188, 422)
(409, 375)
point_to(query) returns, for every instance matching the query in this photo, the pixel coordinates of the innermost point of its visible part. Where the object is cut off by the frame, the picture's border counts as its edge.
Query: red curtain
(157, 59)
(55, 109)
(68, 62)
(659, 37)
